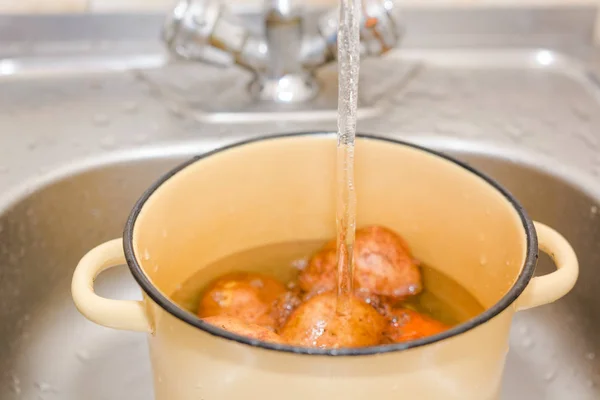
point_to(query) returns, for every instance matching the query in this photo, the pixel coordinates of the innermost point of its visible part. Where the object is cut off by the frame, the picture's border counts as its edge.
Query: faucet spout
(284, 59)
(285, 80)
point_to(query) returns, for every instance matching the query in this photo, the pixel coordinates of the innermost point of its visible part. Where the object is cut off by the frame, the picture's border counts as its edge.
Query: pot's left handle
(119, 314)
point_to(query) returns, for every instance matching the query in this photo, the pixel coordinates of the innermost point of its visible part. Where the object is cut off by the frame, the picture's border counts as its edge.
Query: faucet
(284, 59)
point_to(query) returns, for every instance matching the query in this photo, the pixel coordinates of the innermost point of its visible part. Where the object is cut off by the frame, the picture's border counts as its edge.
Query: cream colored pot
(281, 189)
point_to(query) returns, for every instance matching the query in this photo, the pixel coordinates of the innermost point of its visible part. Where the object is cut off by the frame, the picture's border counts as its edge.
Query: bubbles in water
(481, 237)
(146, 254)
(590, 356)
(300, 264)
(483, 260)
(101, 120)
(164, 233)
(257, 283)
(594, 210)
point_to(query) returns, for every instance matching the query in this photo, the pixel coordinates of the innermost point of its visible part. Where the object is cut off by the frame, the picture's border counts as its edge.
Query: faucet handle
(203, 30)
(381, 27)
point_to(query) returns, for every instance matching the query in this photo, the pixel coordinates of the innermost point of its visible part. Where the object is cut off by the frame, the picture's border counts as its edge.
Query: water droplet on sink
(580, 112)
(514, 131)
(590, 383)
(101, 120)
(95, 85)
(175, 110)
(590, 356)
(140, 138)
(523, 330)
(83, 355)
(43, 387)
(130, 107)
(550, 375)
(108, 142)
(16, 385)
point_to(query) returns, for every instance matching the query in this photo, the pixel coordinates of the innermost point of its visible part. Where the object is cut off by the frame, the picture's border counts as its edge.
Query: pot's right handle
(119, 314)
(551, 287)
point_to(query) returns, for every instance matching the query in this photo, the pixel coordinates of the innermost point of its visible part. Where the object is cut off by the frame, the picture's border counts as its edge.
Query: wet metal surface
(82, 137)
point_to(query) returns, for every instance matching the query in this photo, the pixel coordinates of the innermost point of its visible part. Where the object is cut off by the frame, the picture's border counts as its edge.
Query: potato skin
(248, 297)
(235, 325)
(383, 266)
(315, 323)
(284, 306)
(406, 324)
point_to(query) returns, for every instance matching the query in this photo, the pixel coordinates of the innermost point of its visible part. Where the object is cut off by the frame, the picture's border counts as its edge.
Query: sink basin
(53, 352)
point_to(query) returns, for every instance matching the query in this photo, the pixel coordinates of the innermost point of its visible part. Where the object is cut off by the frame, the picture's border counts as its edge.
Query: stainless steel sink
(50, 349)
(83, 133)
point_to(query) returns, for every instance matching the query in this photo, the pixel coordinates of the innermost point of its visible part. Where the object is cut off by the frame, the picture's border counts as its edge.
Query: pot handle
(551, 287)
(119, 314)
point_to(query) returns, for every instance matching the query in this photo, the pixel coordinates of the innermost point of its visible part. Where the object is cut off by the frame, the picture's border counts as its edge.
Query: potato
(316, 323)
(383, 266)
(246, 296)
(235, 325)
(284, 306)
(408, 325)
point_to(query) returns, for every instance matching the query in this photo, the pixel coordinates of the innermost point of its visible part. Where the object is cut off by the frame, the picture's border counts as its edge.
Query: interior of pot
(283, 189)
